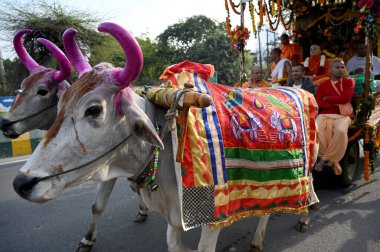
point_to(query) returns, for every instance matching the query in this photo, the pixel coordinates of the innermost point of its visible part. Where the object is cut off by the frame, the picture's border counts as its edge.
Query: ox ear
(62, 87)
(140, 124)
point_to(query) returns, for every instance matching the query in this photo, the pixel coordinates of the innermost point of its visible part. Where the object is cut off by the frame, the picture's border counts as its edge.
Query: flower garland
(252, 12)
(278, 19)
(329, 54)
(233, 6)
(261, 8)
(322, 61)
(288, 24)
(228, 20)
(368, 17)
(239, 36)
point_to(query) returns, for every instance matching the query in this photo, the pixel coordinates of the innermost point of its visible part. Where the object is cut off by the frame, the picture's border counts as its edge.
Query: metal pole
(261, 62)
(242, 75)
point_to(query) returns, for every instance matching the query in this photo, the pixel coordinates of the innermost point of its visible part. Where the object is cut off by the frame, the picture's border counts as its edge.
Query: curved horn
(24, 56)
(64, 64)
(73, 52)
(132, 50)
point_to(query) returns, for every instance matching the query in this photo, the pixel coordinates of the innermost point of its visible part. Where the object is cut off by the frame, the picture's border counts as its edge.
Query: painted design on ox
(285, 126)
(234, 98)
(245, 124)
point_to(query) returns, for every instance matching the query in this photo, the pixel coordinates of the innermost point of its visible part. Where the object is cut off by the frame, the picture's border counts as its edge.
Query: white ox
(36, 106)
(98, 114)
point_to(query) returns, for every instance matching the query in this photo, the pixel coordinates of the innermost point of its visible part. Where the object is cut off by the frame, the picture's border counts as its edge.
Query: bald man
(256, 80)
(317, 66)
(332, 126)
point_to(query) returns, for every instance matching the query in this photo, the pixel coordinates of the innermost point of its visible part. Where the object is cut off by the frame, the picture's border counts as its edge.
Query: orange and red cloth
(249, 153)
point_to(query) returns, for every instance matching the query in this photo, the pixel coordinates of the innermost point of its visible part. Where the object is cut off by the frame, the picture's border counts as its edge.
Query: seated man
(332, 126)
(356, 65)
(280, 71)
(256, 79)
(292, 52)
(299, 81)
(317, 66)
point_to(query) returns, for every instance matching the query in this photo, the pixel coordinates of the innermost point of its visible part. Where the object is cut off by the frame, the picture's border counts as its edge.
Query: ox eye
(94, 111)
(42, 92)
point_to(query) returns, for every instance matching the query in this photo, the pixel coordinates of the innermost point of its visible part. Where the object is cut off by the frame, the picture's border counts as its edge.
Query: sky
(149, 16)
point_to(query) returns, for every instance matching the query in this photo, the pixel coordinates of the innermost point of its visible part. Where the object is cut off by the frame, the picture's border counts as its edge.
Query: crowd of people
(327, 80)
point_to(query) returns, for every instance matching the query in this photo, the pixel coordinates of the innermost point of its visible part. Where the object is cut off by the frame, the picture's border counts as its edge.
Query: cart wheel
(349, 163)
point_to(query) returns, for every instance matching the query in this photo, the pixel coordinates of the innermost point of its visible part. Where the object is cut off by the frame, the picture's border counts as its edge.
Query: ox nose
(6, 127)
(24, 184)
(4, 123)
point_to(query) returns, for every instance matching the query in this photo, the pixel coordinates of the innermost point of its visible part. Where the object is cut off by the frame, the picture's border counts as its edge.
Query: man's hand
(359, 71)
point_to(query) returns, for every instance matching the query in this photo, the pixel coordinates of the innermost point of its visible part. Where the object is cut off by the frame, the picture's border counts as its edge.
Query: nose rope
(30, 116)
(85, 164)
(170, 119)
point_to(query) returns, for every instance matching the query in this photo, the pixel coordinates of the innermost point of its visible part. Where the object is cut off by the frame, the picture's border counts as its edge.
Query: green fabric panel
(264, 175)
(262, 155)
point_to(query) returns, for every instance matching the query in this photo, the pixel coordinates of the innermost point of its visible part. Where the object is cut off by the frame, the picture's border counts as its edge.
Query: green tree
(46, 21)
(200, 39)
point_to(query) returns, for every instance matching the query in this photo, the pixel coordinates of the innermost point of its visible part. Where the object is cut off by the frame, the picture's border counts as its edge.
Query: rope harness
(30, 116)
(146, 178)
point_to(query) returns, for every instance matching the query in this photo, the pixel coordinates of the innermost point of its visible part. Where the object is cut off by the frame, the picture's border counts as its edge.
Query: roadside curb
(13, 160)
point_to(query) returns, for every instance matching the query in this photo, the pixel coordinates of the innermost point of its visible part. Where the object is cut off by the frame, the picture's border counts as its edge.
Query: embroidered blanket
(249, 153)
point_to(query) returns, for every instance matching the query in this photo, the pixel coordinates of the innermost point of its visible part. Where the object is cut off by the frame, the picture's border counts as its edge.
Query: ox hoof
(83, 247)
(255, 249)
(140, 217)
(302, 227)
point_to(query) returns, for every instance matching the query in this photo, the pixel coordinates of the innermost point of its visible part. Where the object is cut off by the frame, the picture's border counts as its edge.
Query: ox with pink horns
(36, 106)
(106, 96)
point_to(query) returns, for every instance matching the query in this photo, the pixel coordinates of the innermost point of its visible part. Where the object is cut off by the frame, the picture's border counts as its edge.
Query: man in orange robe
(292, 52)
(256, 80)
(317, 65)
(280, 71)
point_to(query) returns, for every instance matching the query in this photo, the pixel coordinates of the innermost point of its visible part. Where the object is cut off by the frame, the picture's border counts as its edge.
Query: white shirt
(297, 86)
(357, 62)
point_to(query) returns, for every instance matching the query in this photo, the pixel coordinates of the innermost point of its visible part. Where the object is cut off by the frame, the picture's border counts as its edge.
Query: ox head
(35, 107)
(97, 113)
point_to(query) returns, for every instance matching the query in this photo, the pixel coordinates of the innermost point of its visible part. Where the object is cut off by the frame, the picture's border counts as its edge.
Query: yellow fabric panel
(260, 193)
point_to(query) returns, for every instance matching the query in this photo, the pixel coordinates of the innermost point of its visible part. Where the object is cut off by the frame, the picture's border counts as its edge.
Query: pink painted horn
(24, 56)
(64, 64)
(73, 52)
(132, 50)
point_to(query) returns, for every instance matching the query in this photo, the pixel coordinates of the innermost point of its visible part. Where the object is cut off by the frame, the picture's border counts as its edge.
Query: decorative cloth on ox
(248, 154)
(345, 109)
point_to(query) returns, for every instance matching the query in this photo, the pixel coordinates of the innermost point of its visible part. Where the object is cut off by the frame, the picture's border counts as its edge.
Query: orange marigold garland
(270, 21)
(233, 7)
(261, 8)
(228, 21)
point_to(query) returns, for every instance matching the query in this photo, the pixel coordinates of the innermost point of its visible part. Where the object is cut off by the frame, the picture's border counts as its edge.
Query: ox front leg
(100, 203)
(209, 237)
(303, 222)
(257, 244)
(174, 240)
(142, 214)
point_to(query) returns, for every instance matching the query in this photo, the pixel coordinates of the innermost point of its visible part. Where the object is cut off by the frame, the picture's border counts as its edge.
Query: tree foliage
(200, 39)
(46, 21)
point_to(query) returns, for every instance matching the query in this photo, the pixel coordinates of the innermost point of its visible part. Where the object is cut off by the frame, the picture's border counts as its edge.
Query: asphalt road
(349, 221)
